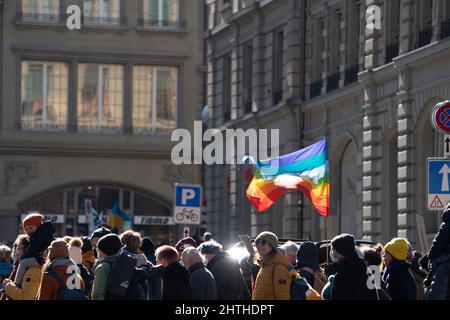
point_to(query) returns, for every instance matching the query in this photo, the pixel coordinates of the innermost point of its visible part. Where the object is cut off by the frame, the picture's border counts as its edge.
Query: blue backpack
(64, 292)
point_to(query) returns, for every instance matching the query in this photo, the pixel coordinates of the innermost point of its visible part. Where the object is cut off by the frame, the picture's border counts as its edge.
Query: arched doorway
(68, 208)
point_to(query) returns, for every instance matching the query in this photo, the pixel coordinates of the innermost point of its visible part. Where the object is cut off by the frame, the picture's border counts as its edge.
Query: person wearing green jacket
(108, 248)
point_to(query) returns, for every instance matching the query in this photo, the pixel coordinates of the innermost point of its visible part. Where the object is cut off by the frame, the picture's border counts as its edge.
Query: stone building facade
(87, 114)
(368, 91)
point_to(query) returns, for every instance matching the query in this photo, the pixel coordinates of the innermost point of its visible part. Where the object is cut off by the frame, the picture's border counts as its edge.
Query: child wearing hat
(41, 235)
(76, 255)
(58, 261)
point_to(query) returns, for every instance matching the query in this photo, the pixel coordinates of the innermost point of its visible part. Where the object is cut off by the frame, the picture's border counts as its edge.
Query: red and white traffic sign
(440, 117)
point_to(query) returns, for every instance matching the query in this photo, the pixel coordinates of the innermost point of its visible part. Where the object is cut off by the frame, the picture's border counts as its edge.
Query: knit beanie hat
(344, 244)
(100, 232)
(33, 219)
(308, 255)
(184, 243)
(398, 248)
(269, 237)
(58, 248)
(110, 244)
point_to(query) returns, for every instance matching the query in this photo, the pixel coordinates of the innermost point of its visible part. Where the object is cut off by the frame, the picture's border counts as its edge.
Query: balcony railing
(391, 52)
(425, 36)
(163, 23)
(351, 74)
(333, 82)
(277, 96)
(315, 89)
(37, 17)
(445, 29)
(103, 21)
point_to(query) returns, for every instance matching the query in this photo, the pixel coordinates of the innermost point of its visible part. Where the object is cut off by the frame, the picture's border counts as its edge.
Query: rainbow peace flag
(306, 170)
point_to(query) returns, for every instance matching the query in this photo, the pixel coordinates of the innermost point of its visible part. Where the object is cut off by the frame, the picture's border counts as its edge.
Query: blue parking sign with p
(188, 195)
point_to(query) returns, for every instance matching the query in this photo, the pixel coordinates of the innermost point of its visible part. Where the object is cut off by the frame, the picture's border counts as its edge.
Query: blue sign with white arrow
(438, 171)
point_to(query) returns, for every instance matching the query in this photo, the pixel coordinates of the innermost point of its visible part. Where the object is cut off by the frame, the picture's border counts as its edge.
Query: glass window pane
(101, 11)
(166, 98)
(46, 10)
(161, 12)
(154, 98)
(44, 95)
(100, 97)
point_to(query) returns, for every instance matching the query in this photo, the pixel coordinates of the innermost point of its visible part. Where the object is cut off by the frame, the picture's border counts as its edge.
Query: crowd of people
(109, 266)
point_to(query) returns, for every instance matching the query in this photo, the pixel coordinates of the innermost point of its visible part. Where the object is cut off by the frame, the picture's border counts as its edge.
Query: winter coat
(11, 277)
(441, 243)
(102, 270)
(176, 286)
(49, 286)
(439, 289)
(88, 279)
(29, 288)
(202, 282)
(419, 278)
(40, 240)
(326, 291)
(273, 281)
(400, 284)
(5, 270)
(227, 273)
(153, 283)
(350, 280)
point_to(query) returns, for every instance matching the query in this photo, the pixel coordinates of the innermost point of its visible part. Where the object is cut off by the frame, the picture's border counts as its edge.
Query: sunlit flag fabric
(306, 170)
(118, 217)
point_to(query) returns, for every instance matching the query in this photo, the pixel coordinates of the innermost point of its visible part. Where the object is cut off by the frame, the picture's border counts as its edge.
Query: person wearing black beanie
(108, 248)
(350, 281)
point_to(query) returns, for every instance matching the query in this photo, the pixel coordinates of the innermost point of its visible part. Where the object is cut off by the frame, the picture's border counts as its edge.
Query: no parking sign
(440, 117)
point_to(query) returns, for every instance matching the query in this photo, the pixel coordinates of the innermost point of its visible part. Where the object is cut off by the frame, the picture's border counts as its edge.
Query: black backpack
(64, 292)
(125, 280)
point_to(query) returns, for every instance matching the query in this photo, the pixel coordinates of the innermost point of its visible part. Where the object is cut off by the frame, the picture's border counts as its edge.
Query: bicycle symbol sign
(440, 117)
(187, 209)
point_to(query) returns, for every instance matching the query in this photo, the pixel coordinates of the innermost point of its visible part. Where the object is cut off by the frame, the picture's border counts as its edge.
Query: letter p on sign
(187, 194)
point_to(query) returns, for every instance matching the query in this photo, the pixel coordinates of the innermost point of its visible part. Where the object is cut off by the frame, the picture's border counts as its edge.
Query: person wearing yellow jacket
(31, 279)
(273, 281)
(29, 288)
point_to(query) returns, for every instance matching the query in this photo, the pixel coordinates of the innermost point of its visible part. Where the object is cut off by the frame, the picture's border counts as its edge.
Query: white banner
(153, 220)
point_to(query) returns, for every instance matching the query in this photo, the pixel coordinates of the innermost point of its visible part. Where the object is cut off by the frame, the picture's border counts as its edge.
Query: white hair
(290, 247)
(193, 255)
